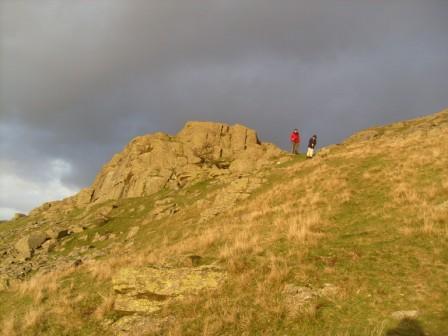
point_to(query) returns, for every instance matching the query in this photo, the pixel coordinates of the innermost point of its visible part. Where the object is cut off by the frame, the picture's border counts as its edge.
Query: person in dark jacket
(311, 146)
(295, 141)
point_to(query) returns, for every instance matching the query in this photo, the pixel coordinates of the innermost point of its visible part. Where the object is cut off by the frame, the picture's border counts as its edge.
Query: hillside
(211, 232)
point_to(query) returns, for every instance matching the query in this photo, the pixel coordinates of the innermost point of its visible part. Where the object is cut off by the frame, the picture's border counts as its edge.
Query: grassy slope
(367, 217)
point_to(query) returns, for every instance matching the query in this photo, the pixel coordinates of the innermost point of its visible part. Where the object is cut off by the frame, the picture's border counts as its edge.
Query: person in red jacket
(295, 141)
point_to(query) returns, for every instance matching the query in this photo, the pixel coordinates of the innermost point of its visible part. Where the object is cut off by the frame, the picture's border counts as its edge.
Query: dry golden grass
(412, 193)
(308, 311)
(434, 221)
(430, 193)
(207, 238)
(278, 271)
(104, 270)
(59, 307)
(8, 326)
(300, 228)
(404, 194)
(63, 307)
(244, 242)
(68, 318)
(406, 230)
(428, 224)
(50, 301)
(33, 317)
(379, 329)
(105, 307)
(175, 331)
(200, 240)
(445, 184)
(42, 285)
(211, 327)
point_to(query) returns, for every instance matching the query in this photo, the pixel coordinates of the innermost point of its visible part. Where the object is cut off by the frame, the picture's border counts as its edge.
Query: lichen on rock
(147, 289)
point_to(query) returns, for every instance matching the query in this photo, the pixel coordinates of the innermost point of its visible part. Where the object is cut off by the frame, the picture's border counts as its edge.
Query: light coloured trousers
(310, 152)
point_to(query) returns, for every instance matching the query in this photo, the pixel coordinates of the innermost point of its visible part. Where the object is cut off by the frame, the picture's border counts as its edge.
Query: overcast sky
(80, 78)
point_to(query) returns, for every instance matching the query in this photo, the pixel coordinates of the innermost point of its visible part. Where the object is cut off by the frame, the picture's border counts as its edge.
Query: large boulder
(28, 244)
(84, 196)
(57, 232)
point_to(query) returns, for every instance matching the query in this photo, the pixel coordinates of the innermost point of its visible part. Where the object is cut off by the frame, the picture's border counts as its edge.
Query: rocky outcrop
(153, 162)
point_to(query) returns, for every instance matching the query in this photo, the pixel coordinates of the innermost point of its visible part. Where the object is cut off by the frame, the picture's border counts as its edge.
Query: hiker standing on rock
(295, 141)
(311, 145)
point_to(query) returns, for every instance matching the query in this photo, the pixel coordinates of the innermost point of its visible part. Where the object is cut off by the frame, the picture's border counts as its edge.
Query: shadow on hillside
(407, 327)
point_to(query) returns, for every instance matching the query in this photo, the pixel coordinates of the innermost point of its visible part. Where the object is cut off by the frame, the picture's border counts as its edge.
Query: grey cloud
(81, 78)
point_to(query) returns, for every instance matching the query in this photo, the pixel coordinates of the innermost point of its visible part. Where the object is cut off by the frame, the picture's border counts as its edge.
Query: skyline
(80, 79)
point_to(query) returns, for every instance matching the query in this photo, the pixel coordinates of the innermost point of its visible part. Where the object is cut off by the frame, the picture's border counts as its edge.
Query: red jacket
(295, 137)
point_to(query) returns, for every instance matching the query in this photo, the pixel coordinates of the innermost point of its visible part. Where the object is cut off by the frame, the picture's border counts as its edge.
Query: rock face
(153, 162)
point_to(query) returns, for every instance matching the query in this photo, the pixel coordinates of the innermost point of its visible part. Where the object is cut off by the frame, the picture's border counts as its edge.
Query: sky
(80, 78)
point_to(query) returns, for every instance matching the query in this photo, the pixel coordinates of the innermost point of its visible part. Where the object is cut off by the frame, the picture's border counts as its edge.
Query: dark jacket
(312, 143)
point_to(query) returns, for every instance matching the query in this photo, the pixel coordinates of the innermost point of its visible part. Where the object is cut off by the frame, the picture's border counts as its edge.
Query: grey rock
(139, 325)
(36, 239)
(147, 289)
(164, 208)
(57, 233)
(49, 245)
(28, 244)
(298, 294)
(77, 228)
(4, 283)
(405, 314)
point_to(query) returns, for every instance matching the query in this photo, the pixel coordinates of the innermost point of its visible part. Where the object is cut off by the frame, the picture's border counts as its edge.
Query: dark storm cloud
(78, 79)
